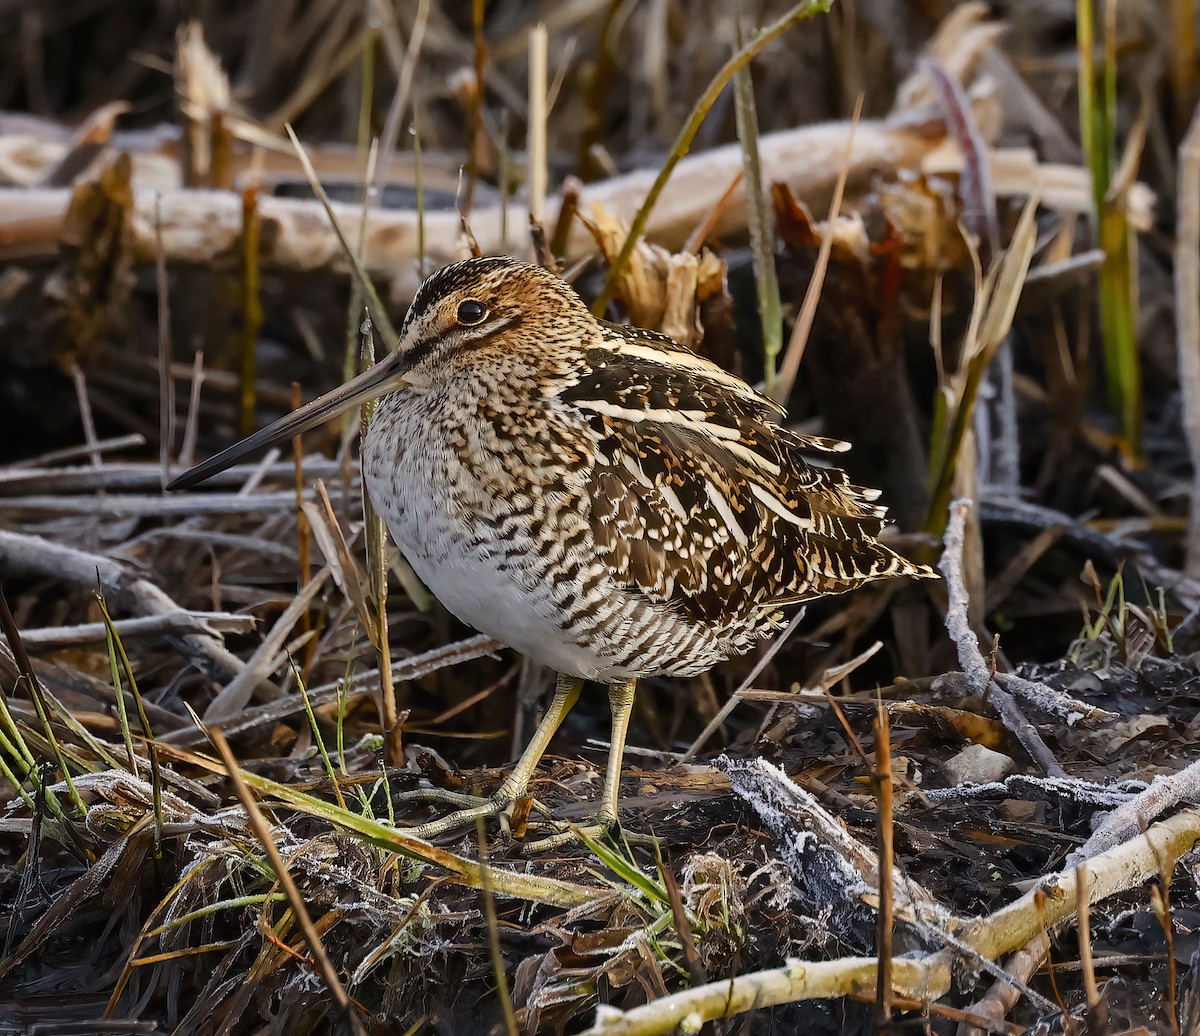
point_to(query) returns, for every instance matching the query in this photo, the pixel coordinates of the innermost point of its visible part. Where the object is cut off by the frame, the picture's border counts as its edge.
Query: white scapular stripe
(692, 421)
(675, 360)
(673, 501)
(717, 499)
(689, 417)
(635, 469)
(773, 503)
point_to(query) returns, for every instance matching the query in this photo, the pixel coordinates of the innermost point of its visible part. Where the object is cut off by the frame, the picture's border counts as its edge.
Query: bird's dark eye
(471, 312)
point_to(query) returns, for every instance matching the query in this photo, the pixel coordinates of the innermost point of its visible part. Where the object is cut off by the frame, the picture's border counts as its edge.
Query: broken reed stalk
(1039, 903)
(85, 412)
(360, 275)
(1087, 968)
(376, 533)
(191, 424)
(1160, 903)
(1184, 75)
(996, 298)
(683, 925)
(504, 176)
(377, 576)
(365, 154)
(252, 311)
(166, 384)
(262, 832)
(477, 98)
(303, 531)
(355, 309)
(419, 190)
(404, 62)
(538, 171)
(691, 126)
(366, 91)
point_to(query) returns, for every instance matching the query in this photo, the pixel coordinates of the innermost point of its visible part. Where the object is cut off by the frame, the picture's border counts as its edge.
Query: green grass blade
(683, 142)
(1118, 273)
(761, 223)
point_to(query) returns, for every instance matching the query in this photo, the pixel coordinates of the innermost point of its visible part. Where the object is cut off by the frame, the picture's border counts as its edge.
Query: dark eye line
(473, 341)
(480, 336)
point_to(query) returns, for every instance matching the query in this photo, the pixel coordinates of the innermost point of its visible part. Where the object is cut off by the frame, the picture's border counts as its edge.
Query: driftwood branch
(206, 623)
(816, 846)
(23, 555)
(204, 227)
(1050, 903)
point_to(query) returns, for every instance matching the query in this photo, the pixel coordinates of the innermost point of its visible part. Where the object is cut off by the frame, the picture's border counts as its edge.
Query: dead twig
(882, 779)
(206, 623)
(1126, 820)
(26, 555)
(974, 665)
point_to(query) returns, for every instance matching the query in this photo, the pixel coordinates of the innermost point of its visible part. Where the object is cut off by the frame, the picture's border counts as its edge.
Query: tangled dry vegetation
(961, 806)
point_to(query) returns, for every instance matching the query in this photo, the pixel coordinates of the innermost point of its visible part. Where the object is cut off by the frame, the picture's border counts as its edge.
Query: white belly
(475, 572)
(473, 589)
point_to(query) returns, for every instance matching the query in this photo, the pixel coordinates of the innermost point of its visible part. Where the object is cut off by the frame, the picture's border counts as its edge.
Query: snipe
(596, 496)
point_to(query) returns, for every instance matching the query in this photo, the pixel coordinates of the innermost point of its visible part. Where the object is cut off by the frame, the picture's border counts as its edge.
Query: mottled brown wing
(701, 501)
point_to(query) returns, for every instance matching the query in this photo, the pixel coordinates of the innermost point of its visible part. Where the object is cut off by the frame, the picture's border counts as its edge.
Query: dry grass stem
(1187, 318)
(798, 339)
(263, 833)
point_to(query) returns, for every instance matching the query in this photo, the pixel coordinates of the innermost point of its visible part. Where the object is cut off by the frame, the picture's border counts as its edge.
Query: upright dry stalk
(798, 339)
(883, 938)
(538, 43)
(252, 311)
(377, 575)
(476, 102)
(404, 65)
(166, 384)
(1187, 319)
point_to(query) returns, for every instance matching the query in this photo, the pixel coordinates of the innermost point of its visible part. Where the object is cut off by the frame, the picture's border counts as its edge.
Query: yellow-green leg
(620, 701)
(605, 821)
(566, 693)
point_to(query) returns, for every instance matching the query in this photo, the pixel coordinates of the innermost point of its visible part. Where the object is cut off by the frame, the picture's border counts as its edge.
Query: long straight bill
(386, 376)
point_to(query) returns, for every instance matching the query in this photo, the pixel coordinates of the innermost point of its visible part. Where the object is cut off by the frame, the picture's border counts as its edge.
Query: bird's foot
(563, 832)
(510, 809)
